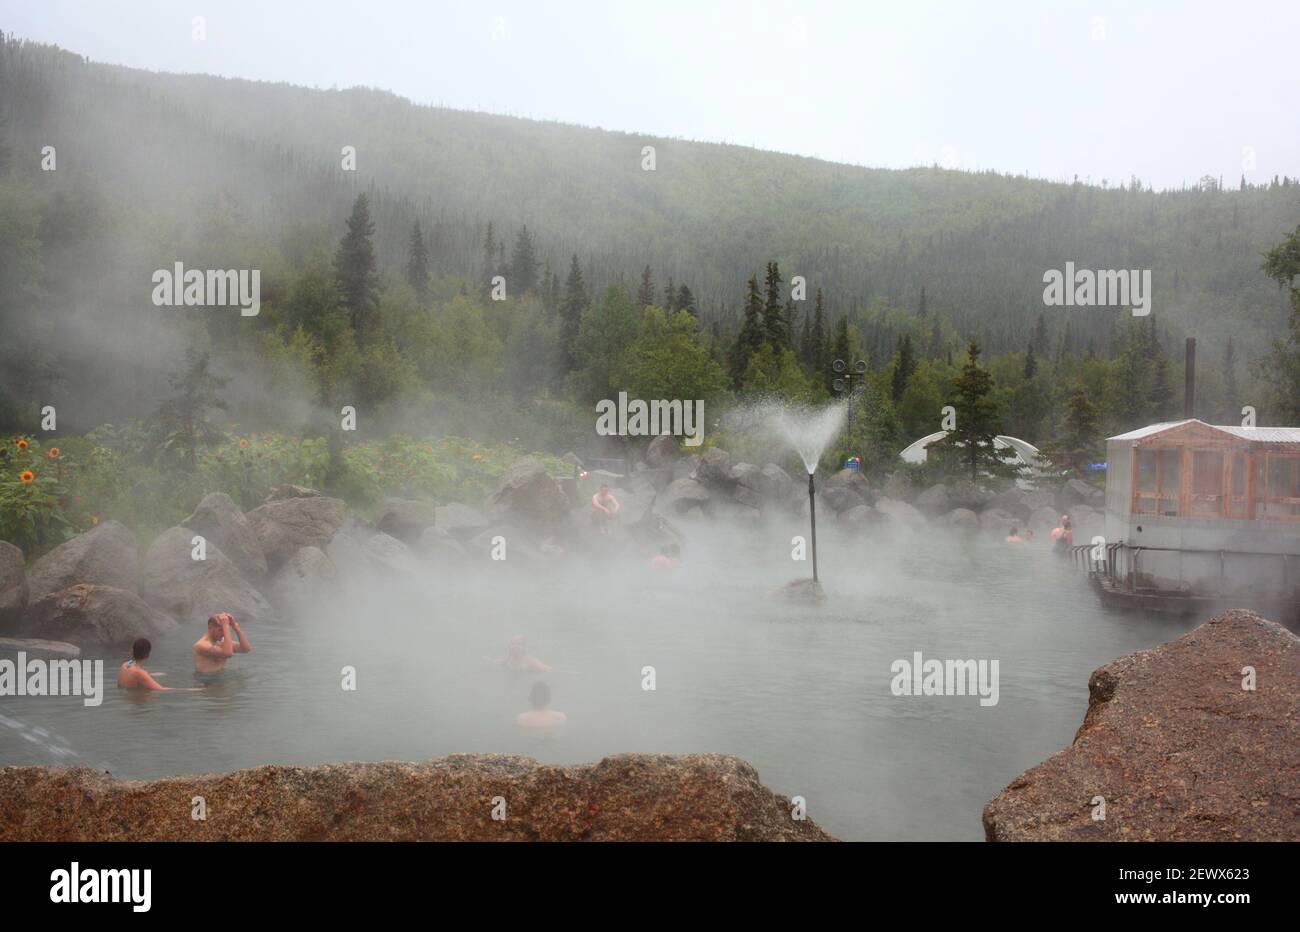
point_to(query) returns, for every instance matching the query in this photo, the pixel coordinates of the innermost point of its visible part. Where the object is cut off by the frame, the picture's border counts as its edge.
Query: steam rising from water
(806, 429)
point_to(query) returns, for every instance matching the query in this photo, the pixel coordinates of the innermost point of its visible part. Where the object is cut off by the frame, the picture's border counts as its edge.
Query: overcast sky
(1164, 91)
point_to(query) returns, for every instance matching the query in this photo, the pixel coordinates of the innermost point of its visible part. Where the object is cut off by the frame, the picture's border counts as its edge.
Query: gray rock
(934, 500)
(388, 556)
(438, 543)
(405, 519)
(98, 614)
(841, 498)
(748, 475)
(900, 513)
(663, 451)
(106, 555)
(962, 518)
(859, 516)
(13, 585)
(966, 494)
(191, 590)
(35, 647)
(1042, 521)
(221, 522)
(997, 522)
(306, 576)
(1078, 492)
(714, 466)
(898, 486)
(460, 520)
(777, 484)
(529, 496)
(283, 525)
(684, 495)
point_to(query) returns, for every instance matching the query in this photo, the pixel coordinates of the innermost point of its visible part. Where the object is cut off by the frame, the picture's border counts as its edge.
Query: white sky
(1166, 91)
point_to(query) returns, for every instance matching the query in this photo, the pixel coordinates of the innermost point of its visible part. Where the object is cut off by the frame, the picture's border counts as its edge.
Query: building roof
(1252, 434)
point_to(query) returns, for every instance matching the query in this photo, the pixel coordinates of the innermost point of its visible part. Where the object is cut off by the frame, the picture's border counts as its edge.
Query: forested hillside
(157, 168)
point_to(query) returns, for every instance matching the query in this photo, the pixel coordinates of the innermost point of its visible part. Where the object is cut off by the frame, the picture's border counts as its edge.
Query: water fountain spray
(806, 430)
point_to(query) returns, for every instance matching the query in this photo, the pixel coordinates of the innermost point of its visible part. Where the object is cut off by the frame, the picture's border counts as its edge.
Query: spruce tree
(670, 296)
(571, 310)
(752, 336)
(686, 301)
(904, 368)
(978, 422)
(819, 362)
(523, 265)
(1232, 398)
(646, 293)
(775, 325)
(182, 420)
(354, 271)
(490, 268)
(417, 264)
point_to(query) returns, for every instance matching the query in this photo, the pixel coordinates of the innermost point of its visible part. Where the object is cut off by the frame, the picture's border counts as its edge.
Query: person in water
(540, 717)
(517, 661)
(669, 555)
(223, 640)
(604, 506)
(133, 675)
(1063, 536)
(1014, 537)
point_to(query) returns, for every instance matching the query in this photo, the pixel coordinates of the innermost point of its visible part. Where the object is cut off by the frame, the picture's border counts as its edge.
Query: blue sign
(1095, 467)
(853, 463)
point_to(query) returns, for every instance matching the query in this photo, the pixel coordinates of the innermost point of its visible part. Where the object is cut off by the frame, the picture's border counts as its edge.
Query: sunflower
(22, 444)
(52, 453)
(243, 444)
(94, 519)
(26, 477)
(478, 456)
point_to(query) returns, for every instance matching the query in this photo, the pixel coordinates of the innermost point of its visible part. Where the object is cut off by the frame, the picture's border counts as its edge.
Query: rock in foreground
(628, 797)
(1175, 746)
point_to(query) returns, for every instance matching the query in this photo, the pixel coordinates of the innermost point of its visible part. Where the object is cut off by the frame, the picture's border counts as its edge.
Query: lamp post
(849, 382)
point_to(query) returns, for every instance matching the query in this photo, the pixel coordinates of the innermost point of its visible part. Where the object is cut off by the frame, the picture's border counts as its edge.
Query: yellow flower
(94, 519)
(22, 444)
(52, 453)
(26, 477)
(242, 443)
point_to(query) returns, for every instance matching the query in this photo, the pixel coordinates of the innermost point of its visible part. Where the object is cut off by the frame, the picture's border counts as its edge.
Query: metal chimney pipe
(1189, 380)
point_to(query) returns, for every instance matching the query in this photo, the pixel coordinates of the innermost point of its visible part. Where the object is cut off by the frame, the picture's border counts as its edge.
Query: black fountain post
(812, 515)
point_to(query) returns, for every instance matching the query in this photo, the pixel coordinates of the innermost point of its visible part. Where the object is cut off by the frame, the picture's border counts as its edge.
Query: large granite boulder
(13, 585)
(1079, 492)
(1043, 520)
(191, 590)
(997, 522)
(714, 466)
(842, 498)
(97, 614)
(405, 519)
(307, 576)
(776, 483)
(663, 451)
(683, 496)
(963, 493)
(528, 496)
(106, 555)
(1175, 746)
(628, 797)
(388, 556)
(901, 514)
(294, 517)
(461, 520)
(36, 647)
(221, 522)
(961, 518)
(934, 500)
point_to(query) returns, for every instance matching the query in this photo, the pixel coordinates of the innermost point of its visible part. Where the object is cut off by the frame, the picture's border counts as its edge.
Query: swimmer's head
(540, 695)
(215, 622)
(604, 490)
(141, 649)
(1013, 532)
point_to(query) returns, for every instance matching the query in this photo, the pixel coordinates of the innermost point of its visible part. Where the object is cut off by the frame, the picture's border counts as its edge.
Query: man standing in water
(604, 506)
(217, 646)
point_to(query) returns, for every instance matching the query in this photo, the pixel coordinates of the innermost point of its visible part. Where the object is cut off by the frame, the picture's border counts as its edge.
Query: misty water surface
(800, 692)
